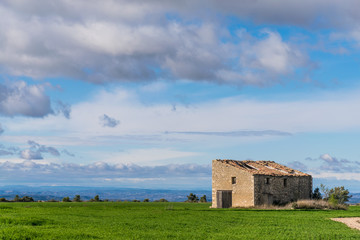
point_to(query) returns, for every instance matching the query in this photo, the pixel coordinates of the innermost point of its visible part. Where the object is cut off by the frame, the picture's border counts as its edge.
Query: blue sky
(146, 93)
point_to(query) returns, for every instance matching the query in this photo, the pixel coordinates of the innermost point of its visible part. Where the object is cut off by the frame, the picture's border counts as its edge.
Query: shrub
(317, 204)
(337, 195)
(66, 199)
(161, 200)
(95, 199)
(77, 198)
(146, 200)
(192, 198)
(3, 200)
(203, 199)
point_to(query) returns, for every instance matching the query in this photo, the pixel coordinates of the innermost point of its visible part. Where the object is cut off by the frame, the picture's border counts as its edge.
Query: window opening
(267, 180)
(233, 180)
(285, 182)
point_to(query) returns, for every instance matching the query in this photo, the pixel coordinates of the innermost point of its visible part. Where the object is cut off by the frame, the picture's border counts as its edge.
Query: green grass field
(128, 220)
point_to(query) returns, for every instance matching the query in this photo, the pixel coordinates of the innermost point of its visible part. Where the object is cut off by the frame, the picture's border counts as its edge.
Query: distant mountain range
(86, 193)
(355, 198)
(110, 193)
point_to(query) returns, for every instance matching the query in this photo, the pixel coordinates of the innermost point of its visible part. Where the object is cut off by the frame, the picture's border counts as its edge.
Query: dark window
(285, 182)
(233, 180)
(267, 180)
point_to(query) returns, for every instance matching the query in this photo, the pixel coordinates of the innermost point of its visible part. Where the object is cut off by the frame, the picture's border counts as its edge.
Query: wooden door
(224, 198)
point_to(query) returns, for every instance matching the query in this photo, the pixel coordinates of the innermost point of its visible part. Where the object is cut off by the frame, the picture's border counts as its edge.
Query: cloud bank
(116, 41)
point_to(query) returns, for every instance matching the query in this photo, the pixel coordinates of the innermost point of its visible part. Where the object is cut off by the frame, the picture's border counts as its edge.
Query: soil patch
(353, 222)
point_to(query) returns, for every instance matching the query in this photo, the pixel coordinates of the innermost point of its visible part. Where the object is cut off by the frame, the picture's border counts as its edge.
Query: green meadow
(155, 220)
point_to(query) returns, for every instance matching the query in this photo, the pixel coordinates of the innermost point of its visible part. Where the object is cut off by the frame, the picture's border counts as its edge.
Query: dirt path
(353, 222)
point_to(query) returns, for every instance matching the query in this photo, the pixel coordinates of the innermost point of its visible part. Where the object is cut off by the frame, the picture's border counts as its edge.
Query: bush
(146, 200)
(192, 198)
(77, 198)
(95, 199)
(316, 204)
(336, 195)
(203, 199)
(161, 200)
(66, 199)
(3, 200)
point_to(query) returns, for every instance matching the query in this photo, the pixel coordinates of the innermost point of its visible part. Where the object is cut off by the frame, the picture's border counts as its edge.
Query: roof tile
(269, 168)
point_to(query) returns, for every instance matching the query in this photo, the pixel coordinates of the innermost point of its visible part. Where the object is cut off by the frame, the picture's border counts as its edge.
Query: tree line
(77, 198)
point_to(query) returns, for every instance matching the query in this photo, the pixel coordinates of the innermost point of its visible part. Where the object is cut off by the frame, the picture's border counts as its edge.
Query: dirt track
(353, 222)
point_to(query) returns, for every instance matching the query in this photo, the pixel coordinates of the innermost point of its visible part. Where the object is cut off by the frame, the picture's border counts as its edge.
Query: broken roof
(269, 168)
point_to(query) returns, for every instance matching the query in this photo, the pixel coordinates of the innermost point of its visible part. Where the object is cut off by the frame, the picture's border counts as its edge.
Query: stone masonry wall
(273, 190)
(242, 190)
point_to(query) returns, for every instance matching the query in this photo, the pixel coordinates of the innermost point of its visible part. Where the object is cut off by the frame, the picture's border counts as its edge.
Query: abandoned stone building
(254, 183)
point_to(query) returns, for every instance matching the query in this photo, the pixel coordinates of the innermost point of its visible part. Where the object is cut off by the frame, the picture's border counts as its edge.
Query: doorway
(224, 198)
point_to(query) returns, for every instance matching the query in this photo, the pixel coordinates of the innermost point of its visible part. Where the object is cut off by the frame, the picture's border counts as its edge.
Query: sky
(145, 94)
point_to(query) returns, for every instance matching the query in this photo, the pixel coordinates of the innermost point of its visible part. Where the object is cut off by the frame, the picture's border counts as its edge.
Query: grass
(133, 220)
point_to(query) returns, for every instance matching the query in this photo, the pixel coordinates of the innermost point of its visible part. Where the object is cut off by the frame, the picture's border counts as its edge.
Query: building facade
(254, 183)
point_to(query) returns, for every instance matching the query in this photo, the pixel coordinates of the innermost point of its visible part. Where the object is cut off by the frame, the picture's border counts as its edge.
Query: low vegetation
(164, 220)
(317, 204)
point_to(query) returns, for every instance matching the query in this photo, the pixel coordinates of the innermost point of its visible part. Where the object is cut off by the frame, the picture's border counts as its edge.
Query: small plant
(169, 207)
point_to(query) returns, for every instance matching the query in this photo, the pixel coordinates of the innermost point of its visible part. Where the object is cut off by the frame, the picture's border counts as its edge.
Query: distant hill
(355, 198)
(86, 193)
(110, 193)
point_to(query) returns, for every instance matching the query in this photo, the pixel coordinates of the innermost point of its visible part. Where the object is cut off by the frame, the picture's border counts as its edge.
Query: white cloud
(143, 122)
(19, 98)
(354, 176)
(151, 156)
(94, 44)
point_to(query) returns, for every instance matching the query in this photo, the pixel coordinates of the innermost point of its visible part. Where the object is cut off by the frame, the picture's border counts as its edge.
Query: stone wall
(242, 190)
(273, 190)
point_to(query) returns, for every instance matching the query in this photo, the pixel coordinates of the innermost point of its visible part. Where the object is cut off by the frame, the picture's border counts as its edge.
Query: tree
(146, 200)
(316, 194)
(16, 198)
(77, 198)
(336, 195)
(340, 194)
(97, 198)
(66, 199)
(26, 199)
(203, 198)
(192, 198)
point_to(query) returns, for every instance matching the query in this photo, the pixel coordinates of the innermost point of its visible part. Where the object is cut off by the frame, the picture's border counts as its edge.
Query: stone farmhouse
(254, 183)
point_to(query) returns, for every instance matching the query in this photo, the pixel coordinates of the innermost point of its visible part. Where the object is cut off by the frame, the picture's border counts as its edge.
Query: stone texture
(259, 182)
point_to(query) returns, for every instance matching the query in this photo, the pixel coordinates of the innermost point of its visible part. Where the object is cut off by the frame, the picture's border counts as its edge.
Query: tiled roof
(269, 168)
